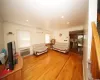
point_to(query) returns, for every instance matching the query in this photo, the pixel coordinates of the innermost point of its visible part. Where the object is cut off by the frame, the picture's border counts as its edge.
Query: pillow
(4, 51)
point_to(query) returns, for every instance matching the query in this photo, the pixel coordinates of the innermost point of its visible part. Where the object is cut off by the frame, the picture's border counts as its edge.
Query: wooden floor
(53, 66)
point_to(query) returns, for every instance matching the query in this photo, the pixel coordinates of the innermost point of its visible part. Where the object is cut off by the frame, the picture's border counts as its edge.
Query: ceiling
(50, 14)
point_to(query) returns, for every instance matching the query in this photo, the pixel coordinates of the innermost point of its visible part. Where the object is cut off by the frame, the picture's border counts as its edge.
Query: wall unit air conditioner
(39, 30)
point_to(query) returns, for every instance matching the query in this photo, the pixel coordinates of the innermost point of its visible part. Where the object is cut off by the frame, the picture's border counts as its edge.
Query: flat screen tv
(11, 54)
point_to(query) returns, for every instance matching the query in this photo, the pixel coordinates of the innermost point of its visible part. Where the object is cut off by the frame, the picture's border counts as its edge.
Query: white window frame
(47, 38)
(19, 41)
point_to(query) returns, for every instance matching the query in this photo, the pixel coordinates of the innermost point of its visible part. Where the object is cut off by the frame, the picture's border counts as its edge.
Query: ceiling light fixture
(27, 20)
(62, 17)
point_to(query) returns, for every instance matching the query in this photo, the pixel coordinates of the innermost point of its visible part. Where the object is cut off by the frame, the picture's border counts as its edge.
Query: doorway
(98, 17)
(76, 41)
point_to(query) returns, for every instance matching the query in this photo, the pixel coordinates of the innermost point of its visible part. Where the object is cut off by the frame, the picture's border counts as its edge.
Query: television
(11, 55)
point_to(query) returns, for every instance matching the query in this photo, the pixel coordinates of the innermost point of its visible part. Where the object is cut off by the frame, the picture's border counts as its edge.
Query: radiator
(25, 52)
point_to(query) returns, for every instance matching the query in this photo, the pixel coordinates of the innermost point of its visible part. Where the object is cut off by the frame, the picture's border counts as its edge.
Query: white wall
(36, 37)
(65, 34)
(85, 50)
(92, 18)
(1, 37)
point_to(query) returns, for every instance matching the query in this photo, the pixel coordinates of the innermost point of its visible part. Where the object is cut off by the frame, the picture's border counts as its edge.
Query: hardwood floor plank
(78, 73)
(52, 66)
(67, 71)
(54, 70)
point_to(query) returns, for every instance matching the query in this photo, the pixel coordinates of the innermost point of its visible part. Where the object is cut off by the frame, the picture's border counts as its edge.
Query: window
(47, 38)
(23, 39)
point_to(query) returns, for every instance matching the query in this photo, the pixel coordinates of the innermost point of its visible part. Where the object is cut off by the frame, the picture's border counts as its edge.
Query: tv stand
(15, 74)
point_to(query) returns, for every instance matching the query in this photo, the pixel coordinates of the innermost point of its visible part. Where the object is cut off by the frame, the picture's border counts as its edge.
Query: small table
(16, 74)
